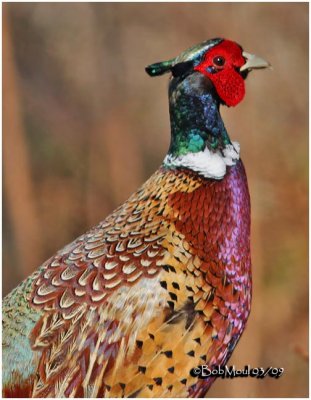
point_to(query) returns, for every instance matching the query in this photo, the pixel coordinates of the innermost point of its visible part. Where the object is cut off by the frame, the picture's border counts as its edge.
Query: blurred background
(84, 126)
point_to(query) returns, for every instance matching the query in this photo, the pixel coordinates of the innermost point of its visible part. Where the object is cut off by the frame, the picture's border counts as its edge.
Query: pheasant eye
(219, 61)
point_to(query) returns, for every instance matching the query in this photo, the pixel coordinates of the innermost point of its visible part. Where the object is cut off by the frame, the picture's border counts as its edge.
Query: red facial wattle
(228, 82)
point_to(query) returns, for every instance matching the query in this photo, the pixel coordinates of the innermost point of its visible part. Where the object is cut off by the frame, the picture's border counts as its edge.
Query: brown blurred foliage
(84, 126)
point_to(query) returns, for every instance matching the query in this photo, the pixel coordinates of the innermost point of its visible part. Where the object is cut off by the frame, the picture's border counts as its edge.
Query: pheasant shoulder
(113, 300)
(129, 308)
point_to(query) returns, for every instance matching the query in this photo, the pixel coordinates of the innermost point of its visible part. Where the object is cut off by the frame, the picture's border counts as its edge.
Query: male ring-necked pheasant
(163, 284)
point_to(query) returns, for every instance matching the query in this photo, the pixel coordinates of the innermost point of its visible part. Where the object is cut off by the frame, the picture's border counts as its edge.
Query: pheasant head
(204, 77)
(222, 61)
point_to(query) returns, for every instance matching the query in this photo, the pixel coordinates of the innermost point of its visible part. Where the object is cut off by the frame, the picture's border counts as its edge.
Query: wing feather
(102, 292)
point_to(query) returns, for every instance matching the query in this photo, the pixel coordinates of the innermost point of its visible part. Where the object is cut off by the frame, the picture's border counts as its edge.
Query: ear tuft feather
(159, 68)
(179, 65)
(163, 67)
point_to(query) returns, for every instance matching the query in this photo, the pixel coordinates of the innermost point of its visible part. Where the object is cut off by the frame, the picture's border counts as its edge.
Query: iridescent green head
(188, 58)
(222, 61)
(203, 77)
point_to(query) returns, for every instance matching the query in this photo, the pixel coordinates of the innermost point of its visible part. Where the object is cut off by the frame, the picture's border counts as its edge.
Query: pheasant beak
(253, 62)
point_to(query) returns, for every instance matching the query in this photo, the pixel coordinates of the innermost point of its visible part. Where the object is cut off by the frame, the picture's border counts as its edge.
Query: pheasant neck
(195, 119)
(199, 139)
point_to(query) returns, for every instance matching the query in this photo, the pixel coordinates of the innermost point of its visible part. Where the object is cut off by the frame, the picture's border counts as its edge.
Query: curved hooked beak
(253, 62)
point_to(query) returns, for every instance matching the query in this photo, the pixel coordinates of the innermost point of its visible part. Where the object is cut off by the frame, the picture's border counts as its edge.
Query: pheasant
(163, 284)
